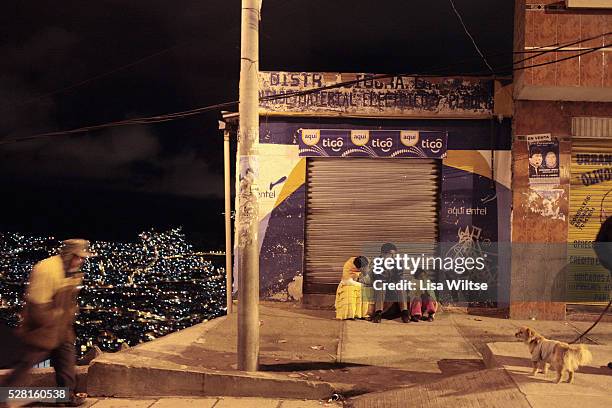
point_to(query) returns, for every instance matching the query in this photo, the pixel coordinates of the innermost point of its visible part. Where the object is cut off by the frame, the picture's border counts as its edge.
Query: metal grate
(357, 204)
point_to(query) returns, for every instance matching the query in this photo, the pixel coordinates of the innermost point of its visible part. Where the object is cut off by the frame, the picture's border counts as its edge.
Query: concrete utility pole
(248, 219)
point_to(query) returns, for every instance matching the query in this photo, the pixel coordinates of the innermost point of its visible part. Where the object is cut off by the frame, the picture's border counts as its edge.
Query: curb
(488, 357)
(119, 380)
(45, 377)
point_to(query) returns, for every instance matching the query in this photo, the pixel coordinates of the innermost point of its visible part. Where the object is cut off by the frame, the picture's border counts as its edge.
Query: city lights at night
(132, 292)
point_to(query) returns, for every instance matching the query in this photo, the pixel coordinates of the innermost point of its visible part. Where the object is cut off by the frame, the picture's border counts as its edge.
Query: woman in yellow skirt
(349, 297)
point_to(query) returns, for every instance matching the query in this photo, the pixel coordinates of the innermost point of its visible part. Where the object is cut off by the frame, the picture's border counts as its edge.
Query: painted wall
(475, 218)
(539, 236)
(466, 183)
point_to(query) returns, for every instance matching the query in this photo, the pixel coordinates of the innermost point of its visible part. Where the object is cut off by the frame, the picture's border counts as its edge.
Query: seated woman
(423, 301)
(349, 303)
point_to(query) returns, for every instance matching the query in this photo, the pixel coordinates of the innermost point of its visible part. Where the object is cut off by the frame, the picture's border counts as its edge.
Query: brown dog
(561, 356)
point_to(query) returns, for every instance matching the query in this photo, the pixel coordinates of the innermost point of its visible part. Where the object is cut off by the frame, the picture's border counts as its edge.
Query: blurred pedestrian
(48, 317)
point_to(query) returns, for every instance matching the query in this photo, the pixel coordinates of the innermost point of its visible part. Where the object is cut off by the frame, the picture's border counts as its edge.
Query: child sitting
(423, 301)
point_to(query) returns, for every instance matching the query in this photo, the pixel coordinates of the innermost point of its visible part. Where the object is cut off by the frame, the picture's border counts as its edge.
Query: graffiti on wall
(473, 213)
(373, 95)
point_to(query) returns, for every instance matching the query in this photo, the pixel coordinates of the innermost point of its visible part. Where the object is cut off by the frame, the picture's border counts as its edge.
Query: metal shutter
(354, 205)
(589, 205)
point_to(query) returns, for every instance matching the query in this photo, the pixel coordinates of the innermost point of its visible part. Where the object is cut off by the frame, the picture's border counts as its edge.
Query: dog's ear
(530, 332)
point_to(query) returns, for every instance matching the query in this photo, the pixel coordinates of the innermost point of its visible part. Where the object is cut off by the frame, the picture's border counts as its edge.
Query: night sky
(67, 64)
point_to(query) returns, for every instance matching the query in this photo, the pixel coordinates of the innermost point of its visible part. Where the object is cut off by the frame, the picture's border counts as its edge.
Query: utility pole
(248, 220)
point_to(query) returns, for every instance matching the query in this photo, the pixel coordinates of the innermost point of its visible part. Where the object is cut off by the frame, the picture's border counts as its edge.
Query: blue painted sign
(372, 143)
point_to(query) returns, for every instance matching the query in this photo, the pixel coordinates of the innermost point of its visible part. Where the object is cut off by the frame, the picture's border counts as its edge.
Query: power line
(121, 68)
(127, 122)
(183, 114)
(588, 51)
(559, 48)
(93, 78)
(470, 35)
(384, 76)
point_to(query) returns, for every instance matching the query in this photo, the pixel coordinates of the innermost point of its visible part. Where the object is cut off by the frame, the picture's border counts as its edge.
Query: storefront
(589, 205)
(402, 159)
(375, 188)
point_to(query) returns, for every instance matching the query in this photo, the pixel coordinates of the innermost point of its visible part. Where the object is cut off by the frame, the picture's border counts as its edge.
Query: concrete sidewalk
(478, 389)
(591, 387)
(304, 354)
(201, 360)
(307, 354)
(507, 382)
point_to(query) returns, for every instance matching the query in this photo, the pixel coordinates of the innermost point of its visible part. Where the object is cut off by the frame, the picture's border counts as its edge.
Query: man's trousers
(63, 360)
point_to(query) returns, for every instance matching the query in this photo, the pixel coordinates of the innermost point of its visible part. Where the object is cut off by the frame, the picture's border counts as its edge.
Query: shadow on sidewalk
(525, 362)
(491, 388)
(306, 365)
(368, 378)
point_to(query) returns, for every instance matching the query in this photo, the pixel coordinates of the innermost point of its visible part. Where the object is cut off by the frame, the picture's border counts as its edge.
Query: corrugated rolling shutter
(356, 204)
(590, 205)
(591, 127)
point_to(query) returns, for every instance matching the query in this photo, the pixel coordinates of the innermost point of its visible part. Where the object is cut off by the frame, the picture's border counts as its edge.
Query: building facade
(413, 161)
(520, 170)
(568, 102)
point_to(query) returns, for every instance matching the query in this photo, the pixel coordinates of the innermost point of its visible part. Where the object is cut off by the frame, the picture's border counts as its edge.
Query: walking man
(48, 317)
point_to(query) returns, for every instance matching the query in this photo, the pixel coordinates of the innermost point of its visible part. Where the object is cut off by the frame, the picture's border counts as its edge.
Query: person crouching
(349, 302)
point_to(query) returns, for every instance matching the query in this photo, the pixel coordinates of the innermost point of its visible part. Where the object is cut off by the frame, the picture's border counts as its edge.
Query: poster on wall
(543, 161)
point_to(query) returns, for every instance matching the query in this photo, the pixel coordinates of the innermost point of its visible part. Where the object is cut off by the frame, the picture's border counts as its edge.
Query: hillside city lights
(132, 292)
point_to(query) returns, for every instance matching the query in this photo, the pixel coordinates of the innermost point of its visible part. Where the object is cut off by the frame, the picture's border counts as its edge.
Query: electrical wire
(127, 122)
(384, 76)
(196, 111)
(470, 36)
(121, 68)
(93, 78)
(588, 51)
(563, 46)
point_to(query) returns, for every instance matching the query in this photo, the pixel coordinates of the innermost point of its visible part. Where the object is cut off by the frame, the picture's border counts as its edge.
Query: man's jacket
(50, 307)
(603, 244)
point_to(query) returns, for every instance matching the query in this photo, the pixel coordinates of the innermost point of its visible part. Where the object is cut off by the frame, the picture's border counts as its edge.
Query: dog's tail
(577, 356)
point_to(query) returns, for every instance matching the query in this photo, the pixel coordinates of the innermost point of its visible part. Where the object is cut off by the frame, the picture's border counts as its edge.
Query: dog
(561, 356)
